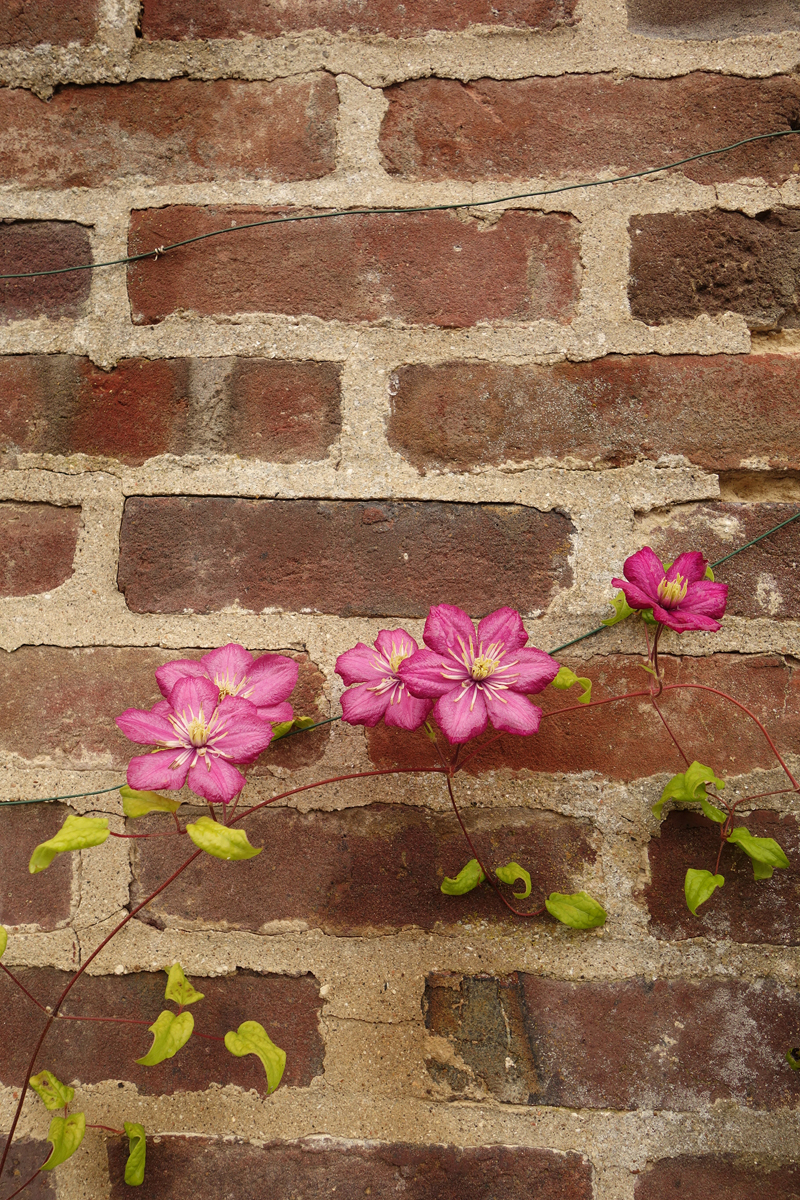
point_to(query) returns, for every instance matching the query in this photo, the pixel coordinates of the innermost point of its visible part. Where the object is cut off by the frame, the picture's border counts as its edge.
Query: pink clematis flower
(478, 678)
(267, 682)
(198, 736)
(378, 691)
(680, 597)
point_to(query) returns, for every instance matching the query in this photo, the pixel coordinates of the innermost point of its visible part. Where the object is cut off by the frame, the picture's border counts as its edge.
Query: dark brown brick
(362, 871)
(217, 1170)
(763, 581)
(336, 556)
(685, 264)
(45, 899)
(43, 246)
(420, 268)
(287, 1007)
(609, 740)
(27, 23)
(173, 19)
(282, 411)
(579, 126)
(171, 131)
(37, 546)
(609, 412)
(726, 1177)
(25, 1157)
(626, 1045)
(711, 19)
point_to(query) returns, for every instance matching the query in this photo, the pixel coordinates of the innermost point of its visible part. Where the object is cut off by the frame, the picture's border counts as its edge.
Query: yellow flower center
(197, 730)
(398, 656)
(484, 666)
(673, 591)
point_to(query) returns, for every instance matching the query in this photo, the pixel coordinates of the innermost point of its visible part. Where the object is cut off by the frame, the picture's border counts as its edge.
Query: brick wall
(294, 437)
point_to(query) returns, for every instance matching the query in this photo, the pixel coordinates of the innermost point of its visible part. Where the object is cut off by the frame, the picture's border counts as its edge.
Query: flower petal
(536, 670)
(405, 711)
(271, 679)
(149, 772)
(504, 625)
(147, 728)
(362, 706)
(215, 779)
(646, 570)
(395, 641)
(444, 625)
(691, 566)
(276, 714)
(362, 664)
(180, 668)
(194, 694)
(705, 597)
(228, 664)
(513, 713)
(683, 622)
(634, 595)
(239, 733)
(424, 674)
(461, 714)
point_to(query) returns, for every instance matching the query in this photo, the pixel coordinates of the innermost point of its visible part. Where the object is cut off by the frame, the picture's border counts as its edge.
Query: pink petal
(227, 664)
(361, 665)
(405, 711)
(461, 714)
(645, 570)
(271, 680)
(362, 706)
(180, 668)
(215, 779)
(513, 713)
(192, 695)
(148, 772)
(634, 595)
(503, 626)
(706, 597)
(683, 622)
(444, 626)
(239, 732)
(536, 670)
(395, 641)
(276, 714)
(146, 728)
(423, 674)
(691, 566)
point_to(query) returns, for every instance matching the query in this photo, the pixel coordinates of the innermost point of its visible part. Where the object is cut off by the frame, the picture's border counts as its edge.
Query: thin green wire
(366, 212)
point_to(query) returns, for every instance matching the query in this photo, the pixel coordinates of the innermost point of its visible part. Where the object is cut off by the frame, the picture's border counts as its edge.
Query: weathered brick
(172, 131)
(338, 556)
(26, 23)
(609, 412)
(217, 1170)
(685, 264)
(579, 126)
(282, 411)
(727, 1176)
(711, 19)
(763, 581)
(287, 1007)
(43, 246)
(61, 704)
(609, 739)
(174, 19)
(421, 268)
(744, 910)
(45, 899)
(25, 1157)
(361, 871)
(627, 1044)
(37, 546)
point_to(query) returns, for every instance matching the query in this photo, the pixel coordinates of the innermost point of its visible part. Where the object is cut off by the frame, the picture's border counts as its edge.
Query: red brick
(627, 1044)
(686, 264)
(46, 899)
(420, 268)
(282, 411)
(726, 1177)
(627, 740)
(24, 1158)
(27, 23)
(609, 412)
(580, 126)
(37, 546)
(217, 1170)
(43, 246)
(763, 580)
(62, 703)
(365, 871)
(287, 1007)
(744, 910)
(174, 19)
(173, 131)
(347, 557)
(711, 19)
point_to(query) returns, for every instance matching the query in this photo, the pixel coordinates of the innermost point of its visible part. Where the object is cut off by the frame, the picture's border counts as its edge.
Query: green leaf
(622, 610)
(137, 1149)
(138, 804)
(467, 878)
(709, 574)
(511, 873)
(53, 1094)
(566, 678)
(281, 729)
(219, 841)
(77, 833)
(579, 910)
(712, 812)
(765, 853)
(170, 1032)
(66, 1134)
(429, 732)
(252, 1038)
(691, 789)
(699, 886)
(793, 1058)
(3, 940)
(179, 989)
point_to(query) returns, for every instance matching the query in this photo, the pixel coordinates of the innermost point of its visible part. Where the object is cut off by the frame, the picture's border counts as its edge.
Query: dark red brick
(711, 19)
(763, 581)
(174, 19)
(627, 740)
(686, 264)
(420, 268)
(362, 871)
(217, 1170)
(45, 899)
(627, 1044)
(62, 703)
(586, 125)
(27, 23)
(25, 1157)
(37, 546)
(282, 411)
(43, 246)
(172, 131)
(725, 1177)
(609, 412)
(744, 910)
(287, 1007)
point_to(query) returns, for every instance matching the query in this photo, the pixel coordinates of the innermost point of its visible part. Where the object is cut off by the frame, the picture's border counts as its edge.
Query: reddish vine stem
(22, 988)
(209, 1037)
(678, 746)
(25, 1184)
(109, 1128)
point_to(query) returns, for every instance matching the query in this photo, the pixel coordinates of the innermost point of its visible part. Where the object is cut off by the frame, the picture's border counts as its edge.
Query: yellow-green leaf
(252, 1038)
(3, 940)
(566, 679)
(578, 910)
(622, 610)
(66, 1134)
(138, 804)
(219, 841)
(77, 833)
(467, 878)
(51, 1091)
(137, 1150)
(170, 1032)
(281, 729)
(179, 989)
(765, 853)
(690, 787)
(511, 873)
(699, 886)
